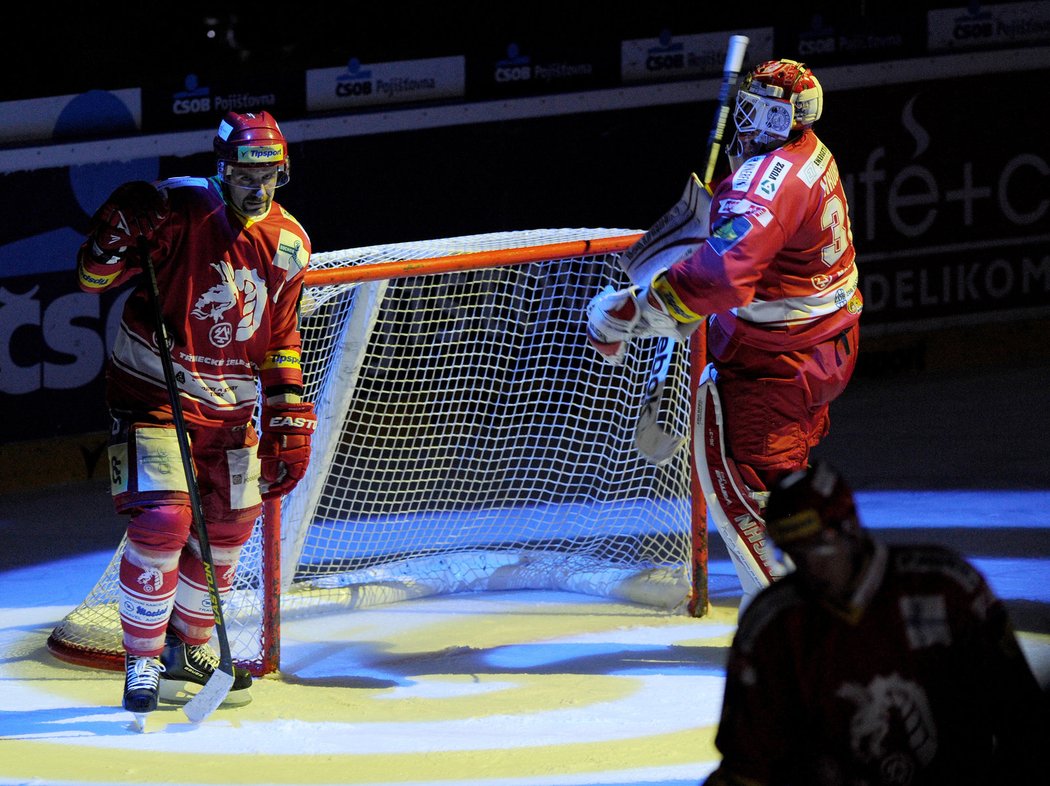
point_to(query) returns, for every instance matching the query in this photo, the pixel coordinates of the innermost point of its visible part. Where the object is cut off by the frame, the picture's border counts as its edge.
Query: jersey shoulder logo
(773, 177)
(744, 176)
(291, 253)
(811, 171)
(727, 233)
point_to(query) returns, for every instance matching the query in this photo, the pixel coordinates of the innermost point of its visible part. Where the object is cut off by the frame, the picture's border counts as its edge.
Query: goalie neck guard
(251, 140)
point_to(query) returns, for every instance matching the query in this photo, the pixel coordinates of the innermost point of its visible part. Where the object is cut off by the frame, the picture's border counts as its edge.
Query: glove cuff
(669, 301)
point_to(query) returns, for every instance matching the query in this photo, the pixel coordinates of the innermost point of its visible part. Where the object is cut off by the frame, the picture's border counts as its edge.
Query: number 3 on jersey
(834, 219)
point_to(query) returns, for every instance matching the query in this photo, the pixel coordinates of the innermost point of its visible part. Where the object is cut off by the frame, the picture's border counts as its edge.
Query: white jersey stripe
(797, 310)
(220, 392)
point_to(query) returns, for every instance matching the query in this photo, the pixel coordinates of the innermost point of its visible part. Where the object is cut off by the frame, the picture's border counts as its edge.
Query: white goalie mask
(776, 99)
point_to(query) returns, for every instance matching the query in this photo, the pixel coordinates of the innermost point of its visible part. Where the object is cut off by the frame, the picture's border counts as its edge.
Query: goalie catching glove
(133, 211)
(615, 316)
(284, 447)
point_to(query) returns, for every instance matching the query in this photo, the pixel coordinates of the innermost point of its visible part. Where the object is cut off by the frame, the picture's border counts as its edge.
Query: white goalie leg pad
(729, 504)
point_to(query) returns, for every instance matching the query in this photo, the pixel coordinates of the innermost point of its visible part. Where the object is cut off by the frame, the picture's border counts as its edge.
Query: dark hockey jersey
(912, 684)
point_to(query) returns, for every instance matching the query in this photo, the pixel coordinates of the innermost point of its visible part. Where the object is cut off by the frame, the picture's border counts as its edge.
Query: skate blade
(138, 722)
(181, 692)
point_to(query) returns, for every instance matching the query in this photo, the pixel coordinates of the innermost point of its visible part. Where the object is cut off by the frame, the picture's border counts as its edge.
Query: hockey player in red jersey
(776, 281)
(229, 263)
(871, 664)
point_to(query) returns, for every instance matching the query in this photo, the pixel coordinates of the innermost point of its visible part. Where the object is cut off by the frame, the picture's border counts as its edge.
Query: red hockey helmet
(251, 140)
(806, 502)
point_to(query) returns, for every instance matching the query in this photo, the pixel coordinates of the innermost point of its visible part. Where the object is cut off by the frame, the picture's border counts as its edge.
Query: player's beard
(250, 204)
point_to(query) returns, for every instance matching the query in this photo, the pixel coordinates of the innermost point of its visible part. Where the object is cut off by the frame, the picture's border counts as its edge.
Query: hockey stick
(730, 73)
(677, 233)
(215, 690)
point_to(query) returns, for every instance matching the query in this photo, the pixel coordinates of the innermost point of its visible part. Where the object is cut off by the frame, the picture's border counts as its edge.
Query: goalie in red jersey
(776, 282)
(229, 264)
(874, 664)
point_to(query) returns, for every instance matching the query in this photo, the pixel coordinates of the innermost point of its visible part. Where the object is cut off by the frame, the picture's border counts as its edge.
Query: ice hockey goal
(469, 439)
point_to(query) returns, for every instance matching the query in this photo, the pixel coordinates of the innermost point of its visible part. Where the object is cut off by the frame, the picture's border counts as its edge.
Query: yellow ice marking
(445, 669)
(51, 761)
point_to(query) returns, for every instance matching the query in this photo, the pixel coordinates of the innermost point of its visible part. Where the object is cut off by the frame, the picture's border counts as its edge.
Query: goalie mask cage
(468, 438)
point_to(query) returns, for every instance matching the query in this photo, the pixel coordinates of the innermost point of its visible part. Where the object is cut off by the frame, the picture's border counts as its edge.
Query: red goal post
(469, 439)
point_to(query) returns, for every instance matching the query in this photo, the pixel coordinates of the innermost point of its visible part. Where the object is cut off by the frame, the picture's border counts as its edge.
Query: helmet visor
(253, 175)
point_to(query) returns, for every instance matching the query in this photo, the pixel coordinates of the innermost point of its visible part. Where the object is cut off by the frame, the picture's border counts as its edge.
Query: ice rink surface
(516, 689)
(487, 689)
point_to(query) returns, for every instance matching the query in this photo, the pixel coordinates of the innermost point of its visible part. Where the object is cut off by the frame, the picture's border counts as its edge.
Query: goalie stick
(676, 234)
(215, 690)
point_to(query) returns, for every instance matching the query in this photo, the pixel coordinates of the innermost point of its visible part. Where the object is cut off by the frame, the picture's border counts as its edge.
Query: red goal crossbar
(375, 271)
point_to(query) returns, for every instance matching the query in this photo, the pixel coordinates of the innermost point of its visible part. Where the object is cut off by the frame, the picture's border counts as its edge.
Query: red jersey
(229, 292)
(778, 269)
(908, 686)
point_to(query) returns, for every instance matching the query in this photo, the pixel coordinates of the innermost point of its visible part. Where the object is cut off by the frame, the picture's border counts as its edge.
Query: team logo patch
(742, 177)
(242, 290)
(727, 233)
(291, 255)
(773, 177)
(151, 579)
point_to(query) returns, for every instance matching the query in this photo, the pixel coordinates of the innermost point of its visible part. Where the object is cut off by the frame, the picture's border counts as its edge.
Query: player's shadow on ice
(61, 724)
(65, 723)
(370, 665)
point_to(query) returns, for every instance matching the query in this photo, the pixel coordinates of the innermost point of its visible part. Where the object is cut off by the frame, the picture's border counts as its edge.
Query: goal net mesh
(469, 439)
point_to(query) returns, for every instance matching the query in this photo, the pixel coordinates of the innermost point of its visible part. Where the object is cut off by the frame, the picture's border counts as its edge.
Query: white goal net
(469, 439)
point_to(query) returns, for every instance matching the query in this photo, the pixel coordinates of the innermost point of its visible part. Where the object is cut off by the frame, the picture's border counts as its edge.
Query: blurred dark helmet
(805, 503)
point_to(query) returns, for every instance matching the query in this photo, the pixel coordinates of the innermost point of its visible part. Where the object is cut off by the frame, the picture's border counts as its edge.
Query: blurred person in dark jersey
(874, 664)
